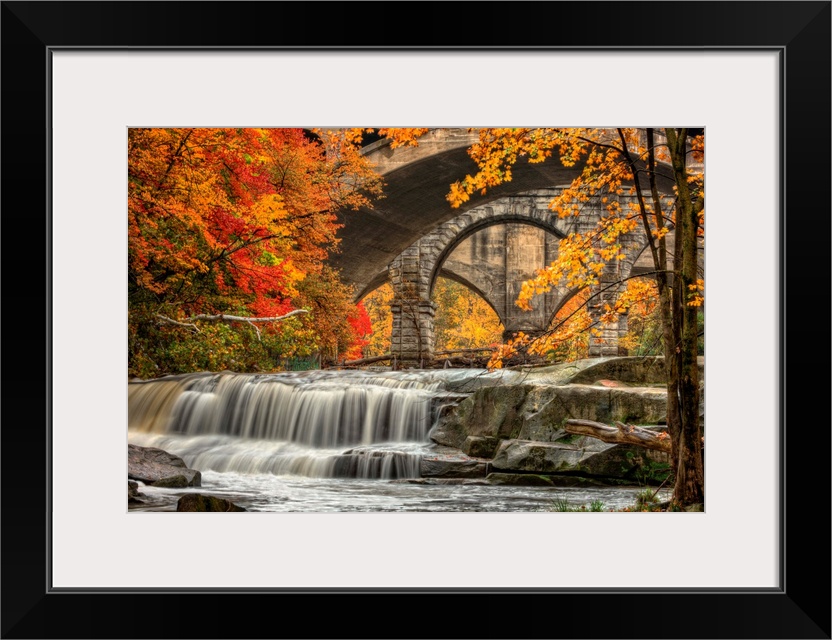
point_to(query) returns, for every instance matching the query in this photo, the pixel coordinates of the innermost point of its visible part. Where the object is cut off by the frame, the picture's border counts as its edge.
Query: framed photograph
(77, 77)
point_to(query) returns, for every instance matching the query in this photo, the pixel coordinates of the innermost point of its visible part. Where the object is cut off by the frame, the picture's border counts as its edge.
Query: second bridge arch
(493, 249)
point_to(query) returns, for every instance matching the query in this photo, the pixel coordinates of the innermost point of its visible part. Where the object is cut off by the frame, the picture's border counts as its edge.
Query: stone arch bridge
(491, 244)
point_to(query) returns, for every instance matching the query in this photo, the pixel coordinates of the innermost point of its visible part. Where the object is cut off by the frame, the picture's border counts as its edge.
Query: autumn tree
(378, 304)
(228, 231)
(610, 163)
(463, 319)
(567, 339)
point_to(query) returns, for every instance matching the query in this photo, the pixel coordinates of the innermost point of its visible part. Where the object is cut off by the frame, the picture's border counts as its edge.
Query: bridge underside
(415, 204)
(412, 235)
(493, 249)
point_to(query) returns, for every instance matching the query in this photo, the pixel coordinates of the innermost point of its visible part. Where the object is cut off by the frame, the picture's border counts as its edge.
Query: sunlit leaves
(463, 319)
(608, 163)
(403, 137)
(378, 304)
(696, 293)
(236, 221)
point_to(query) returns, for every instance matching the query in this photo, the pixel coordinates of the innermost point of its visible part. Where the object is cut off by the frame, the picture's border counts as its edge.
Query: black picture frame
(800, 31)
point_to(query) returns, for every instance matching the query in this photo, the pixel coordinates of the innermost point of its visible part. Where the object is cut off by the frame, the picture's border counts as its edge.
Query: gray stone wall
(493, 249)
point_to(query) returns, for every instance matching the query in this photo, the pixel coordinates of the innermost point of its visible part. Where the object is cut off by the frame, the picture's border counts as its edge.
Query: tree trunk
(689, 487)
(669, 336)
(620, 434)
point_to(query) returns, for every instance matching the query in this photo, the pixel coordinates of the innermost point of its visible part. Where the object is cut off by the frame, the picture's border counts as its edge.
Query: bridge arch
(417, 181)
(530, 236)
(390, 240)
(468, 283)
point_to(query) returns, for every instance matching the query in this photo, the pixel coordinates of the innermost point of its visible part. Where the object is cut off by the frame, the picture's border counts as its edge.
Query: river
(323, 442)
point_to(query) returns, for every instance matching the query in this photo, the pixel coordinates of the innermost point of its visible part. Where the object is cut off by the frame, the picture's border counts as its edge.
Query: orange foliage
(237, 221)
(605, 158)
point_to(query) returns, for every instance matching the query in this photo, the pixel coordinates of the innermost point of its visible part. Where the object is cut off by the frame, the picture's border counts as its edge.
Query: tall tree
(611, 163)
(232, 226)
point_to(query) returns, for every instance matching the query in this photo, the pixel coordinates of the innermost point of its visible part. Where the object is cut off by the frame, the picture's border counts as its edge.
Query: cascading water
(321, 441)
(324, 424)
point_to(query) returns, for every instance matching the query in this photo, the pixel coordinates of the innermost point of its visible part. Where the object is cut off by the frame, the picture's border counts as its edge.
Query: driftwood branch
(620, 434)
(167, 320)
(370, 360)
(449, 352)
(221, 317)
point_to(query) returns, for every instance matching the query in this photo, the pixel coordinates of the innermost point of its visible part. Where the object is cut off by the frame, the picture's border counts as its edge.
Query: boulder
(638, 370)
(133, 495)
(634, 464)
(489, 412)
(537, 457)
(537, 412)
(172, 482)
(453, 467)
(202, 503)
(519, 423)
(150, 465)
(480, 446)
(606, 463)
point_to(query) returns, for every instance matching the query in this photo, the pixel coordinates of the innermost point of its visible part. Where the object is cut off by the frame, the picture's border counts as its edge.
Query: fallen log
(355, 363)
(620, 434)
(449, 352)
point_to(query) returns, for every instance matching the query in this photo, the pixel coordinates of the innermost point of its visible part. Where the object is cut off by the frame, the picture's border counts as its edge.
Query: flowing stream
(320, 441)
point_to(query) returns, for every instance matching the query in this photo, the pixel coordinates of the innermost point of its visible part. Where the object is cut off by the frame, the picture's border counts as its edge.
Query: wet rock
(605, 462)
(538, 412)
(633, 370)
(203, 503)
(462, 381)
(133, 494)
(454, 467)
(480, 446)
(637, 370)
(636, 465)
(538, 457)
(542, 480)
(150, 465)
(489, 412)
(173, 482)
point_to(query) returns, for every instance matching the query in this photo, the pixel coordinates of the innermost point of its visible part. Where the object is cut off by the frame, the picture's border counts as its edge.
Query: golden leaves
(696, 293)
(403, 137)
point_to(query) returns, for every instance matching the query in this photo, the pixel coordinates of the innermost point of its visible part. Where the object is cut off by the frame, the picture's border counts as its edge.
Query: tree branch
(167, 320)
(221, 317)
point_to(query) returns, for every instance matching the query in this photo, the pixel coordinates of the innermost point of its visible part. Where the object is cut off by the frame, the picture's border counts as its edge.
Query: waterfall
(311, 423)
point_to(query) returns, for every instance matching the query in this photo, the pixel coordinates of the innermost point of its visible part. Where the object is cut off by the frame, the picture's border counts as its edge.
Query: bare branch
(221, 317)
(167, 320)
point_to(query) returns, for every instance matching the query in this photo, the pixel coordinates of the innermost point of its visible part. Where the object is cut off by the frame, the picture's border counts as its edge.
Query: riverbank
(453, 429)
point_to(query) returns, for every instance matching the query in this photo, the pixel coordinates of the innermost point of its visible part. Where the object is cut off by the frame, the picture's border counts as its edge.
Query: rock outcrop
(159, 468)
(513, 431)
(538, 412)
